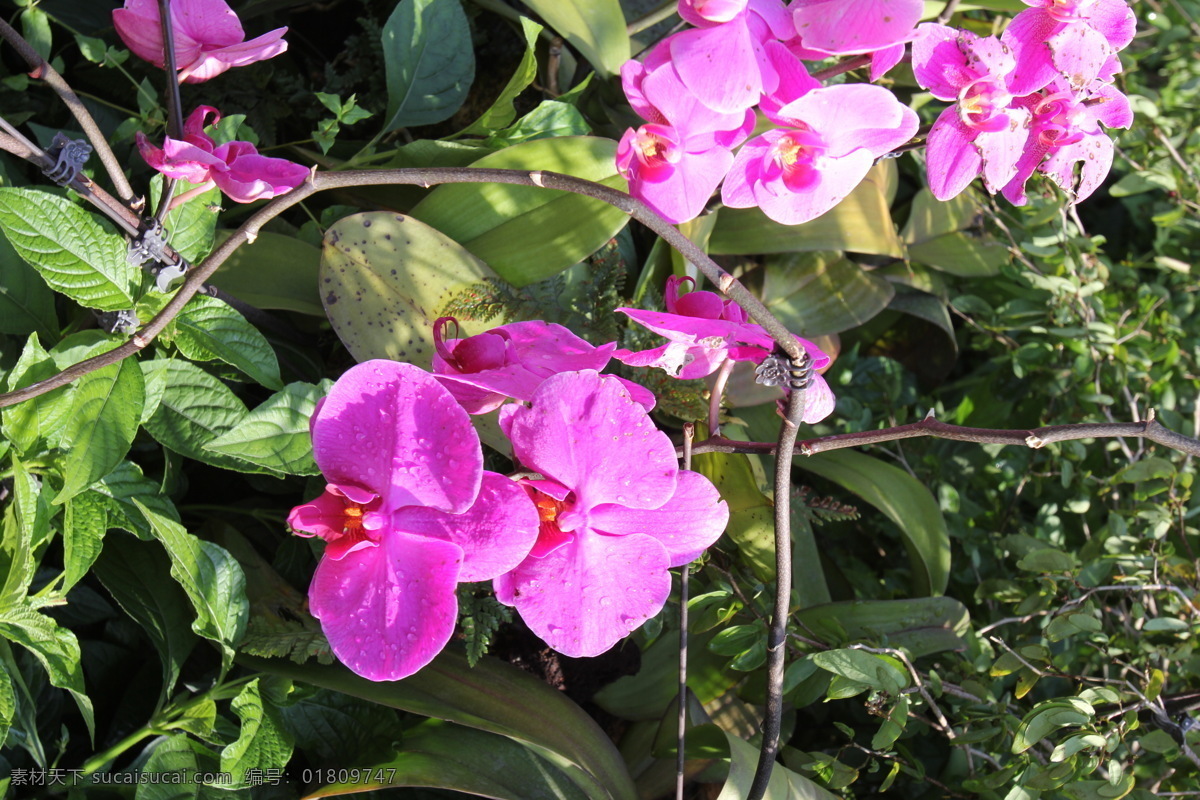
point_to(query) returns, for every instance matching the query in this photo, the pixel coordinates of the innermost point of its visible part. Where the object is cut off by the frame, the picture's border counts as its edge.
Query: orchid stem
(777, 634)
(174, 103)
(689, 433)
(714, 399)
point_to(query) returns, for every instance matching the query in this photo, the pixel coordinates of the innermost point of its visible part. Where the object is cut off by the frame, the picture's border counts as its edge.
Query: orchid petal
(588, 594)
(388, 610)
(952, 159)
(719, 66)
(855, 26)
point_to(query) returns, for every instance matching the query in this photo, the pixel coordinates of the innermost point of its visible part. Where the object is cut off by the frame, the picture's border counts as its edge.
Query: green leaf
(526, 233)
(822, 292)
(273, 271)
(26, 302)
(8, 705)
(938, 234)
(502, 112)
(208, 329)
(56, 648)
(85, 521)
(1048, 559)
(132, 572)
(550, 119)
(927, 307)
(121, 487)
(276, 435)
(429, 62)
(904, 500)
(195, 409)
(784, 784)
(495, 697)
(262, 742)
(442, 755)
(862, 223)
(751, 514)
(105, 412)
(923, 625)
(335, 728)
(177, 760)
(35, 25)
(595, 28)
(1047, 717)
(41, 418)
(882, 672)
(191, 227)
(24, 531)
(212, 579)
(73, 252)
(386, 279)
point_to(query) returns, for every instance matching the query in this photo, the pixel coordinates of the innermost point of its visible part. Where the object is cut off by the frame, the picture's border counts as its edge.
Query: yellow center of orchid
(547, 507)
(352, 520)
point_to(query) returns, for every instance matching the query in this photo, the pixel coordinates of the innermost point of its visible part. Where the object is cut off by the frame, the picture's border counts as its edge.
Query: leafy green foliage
(428, 61)
(480, 615)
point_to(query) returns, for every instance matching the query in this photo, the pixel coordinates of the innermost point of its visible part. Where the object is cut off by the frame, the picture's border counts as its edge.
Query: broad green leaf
(751, 514)
(73, 252)
(121, 487)
(154, 379)
(190, 227)
(182, 763)
(273, 271)
(1048, 559)
(133, 571)
(428, 60)
(24, 530)
(212, 579)
(56, 648)
(502, 112)
(35, 25)
(904, 500)
(208, 329)
(195, 409)
(646, 695)
(275, 435)
(927, 307)
(822, 292)
(938, 234)
(386, 278)
(526, 233)
(262, 742)
(42, 417)
(550, 119)
(442, 755)
(923, 625)
(862, 223)
(491, 696)
(785, 784)
(596, 28)
(335, 728)
(1047, 717)
(105, 412)
(882, 672)
(8, 705)
(85, 521)
(26, 302)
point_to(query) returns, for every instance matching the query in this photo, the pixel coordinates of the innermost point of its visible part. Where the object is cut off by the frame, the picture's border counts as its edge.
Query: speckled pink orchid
(235, 168)
(1075, 39)
(675, 162)
(1067, 129)
(208, 37)
(833, 136)
(721, 61)
(511, 361)
(984, 132)
(616, 513)
(407, 514)
(702, 331)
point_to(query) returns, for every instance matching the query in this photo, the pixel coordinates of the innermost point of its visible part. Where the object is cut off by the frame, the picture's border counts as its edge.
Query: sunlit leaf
(429, 63)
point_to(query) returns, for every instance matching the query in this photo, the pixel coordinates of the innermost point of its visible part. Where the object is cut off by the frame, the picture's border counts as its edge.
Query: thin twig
(174, 102)
(689, 433)
(714, 399)
(39, 68)
(426, 177)
(916, 676)
(947, 12)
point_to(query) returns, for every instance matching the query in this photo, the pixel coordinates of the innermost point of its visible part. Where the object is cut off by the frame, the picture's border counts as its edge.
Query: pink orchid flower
(702, 331)
(984, 132)
(616, 513)
(675, 162)
(1066, 130)
(856, 26)
(1077, 39)
(721, 61)
(235, 168)
(833, 137)
(208, 37)
(484, 370)
(407, 514)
